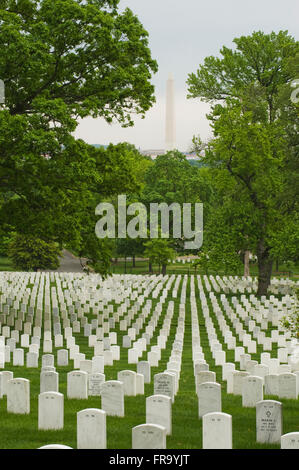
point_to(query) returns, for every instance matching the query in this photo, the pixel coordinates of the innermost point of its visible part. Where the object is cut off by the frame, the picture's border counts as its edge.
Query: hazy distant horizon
(181, 35)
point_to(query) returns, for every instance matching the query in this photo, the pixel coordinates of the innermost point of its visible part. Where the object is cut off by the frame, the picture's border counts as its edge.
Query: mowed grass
(21, 431)
(188, 268)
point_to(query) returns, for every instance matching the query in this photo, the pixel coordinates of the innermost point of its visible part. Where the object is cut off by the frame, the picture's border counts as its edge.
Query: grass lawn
(21, 431)
(179, 268)
(5, 264)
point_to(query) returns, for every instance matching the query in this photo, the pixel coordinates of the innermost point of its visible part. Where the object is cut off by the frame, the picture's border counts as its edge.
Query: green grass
(21, 431)
(141, 267)
(6, 264)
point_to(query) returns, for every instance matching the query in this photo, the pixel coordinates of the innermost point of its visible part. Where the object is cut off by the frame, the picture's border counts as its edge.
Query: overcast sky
(181, 35)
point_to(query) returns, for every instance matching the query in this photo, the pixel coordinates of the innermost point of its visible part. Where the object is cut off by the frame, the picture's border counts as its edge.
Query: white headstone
(128, 377)
(62, 357)
(139, 384)
(95, 382)
(49, 381)
(164, 384)
(209, 398)
(159, 411)
(98, 364)
(204, 376)
(91, 429)
(287, 386)
(271, 384)
(18, 357)
(50, 410)
(238, 377)
(6, 375)
(48, 360)
(217, 431)
(113, 398)
(32, 359)
(54, 446)
(290, 441)
(268, 421)
(18, 396)
(149, 436)
(252, 391)
(143, 367)
(77, 384)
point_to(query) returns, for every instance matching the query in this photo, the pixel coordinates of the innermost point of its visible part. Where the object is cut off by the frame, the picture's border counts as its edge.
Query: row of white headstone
(91, 423)
(179, 349)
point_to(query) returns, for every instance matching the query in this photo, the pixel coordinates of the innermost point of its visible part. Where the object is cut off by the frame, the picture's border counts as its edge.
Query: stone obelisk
(170, 119)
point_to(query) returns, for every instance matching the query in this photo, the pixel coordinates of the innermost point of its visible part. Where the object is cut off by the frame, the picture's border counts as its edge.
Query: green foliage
(129, 246)
(4, 243)
(170, 179)
(29, 253)
(253, 157)
(158, 251)
(61, 61)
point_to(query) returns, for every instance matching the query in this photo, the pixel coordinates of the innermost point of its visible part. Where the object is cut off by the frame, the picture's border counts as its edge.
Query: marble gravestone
(143, 367)
(77, 384)
(217, 431)
(6, 375)
(128, 377)
(62, 357)
(159, 411)
(18, 396)
(287, 386)
(49, 381)
(18, 357)
(164, 384)
(252, 391)
(50, 410)
(91, 429)
(112, 395)
(54, 446)
(209, 398)
(98, 364)
(271, 384)
(149, 436)
(204, 376)
(32, 360)
(290, 441)
(95, 382)
(268, 421)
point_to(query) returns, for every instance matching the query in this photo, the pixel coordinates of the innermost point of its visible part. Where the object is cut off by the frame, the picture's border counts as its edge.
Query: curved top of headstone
(55, 446)
(91, 410)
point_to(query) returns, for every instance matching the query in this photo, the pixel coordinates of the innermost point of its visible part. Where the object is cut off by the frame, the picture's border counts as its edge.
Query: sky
(181, 35)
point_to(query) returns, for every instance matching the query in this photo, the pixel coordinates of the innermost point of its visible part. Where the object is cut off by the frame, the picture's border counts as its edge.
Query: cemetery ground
(180, 267)
(18, 431)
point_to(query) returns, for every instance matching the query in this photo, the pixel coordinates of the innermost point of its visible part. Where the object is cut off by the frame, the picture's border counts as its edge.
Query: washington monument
(170, 119)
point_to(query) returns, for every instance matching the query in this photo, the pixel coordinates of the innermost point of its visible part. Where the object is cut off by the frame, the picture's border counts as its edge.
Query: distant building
(155, 153)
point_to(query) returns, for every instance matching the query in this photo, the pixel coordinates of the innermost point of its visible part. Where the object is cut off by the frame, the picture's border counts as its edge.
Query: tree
(130, 247)
(121, 167)
(61, 61)
(171, 179)
(29, 253)
(254, 147)
(158, 251)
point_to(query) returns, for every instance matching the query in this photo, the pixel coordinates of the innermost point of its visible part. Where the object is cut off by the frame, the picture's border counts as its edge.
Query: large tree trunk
(164, 269)
(134, 261)
(150, 267)
(246, 264)
(265, 264)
